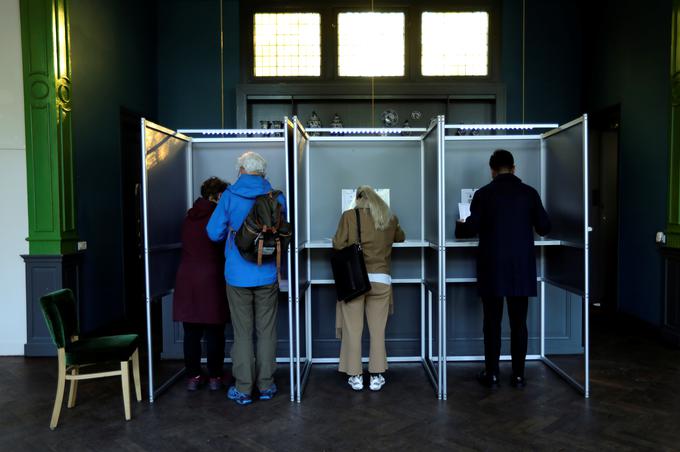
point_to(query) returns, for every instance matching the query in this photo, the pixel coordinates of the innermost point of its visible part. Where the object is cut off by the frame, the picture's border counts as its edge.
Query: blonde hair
(366, 197)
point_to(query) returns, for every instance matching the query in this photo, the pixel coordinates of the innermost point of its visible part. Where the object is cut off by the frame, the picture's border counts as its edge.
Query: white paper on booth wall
(463, 210)
(466, 195)
(349, 194)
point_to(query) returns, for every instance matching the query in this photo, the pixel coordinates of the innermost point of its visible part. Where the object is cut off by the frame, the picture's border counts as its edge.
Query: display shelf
(328, 243)
(471, 243)
(394, 281)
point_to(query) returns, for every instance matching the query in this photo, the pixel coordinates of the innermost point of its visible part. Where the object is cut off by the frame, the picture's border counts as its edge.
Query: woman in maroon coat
(200, 300)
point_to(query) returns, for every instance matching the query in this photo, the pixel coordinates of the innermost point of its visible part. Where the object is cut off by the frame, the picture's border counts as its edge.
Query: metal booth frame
(192, 136)
(295, 142)
(542, 243)
(304, 244)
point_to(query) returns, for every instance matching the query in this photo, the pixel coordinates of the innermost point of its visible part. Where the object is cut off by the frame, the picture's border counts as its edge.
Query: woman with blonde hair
(379, 230)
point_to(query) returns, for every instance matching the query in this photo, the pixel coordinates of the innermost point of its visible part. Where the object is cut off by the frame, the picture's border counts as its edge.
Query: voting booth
(174, 166)
(423, 174)
(329, 164)
(555, 163)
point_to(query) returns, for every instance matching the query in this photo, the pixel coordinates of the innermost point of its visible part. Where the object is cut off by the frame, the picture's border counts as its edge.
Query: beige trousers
(376, 305)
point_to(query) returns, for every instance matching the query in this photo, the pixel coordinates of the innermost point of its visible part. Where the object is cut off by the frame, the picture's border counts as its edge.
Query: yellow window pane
(371, 44)
(455, 43)
(287, 44)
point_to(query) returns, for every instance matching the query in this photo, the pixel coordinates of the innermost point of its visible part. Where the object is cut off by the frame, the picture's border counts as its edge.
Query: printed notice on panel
(466, 195)
(348, 195)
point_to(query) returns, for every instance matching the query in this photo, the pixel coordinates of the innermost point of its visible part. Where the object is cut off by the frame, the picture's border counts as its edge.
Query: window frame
(329, 38)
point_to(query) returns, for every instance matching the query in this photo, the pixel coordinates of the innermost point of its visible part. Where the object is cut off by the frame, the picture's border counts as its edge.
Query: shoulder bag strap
(356, 211)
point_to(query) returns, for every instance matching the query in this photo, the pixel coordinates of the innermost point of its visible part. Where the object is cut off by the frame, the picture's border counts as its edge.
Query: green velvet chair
(59, 309)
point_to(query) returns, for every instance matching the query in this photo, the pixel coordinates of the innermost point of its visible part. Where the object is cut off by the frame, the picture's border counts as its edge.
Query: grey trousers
(253, 307)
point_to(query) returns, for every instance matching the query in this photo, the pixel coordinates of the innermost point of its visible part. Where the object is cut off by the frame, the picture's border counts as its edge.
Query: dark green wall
(189, 63)
(554, 55)
(163, 57)
(629, 64)
(511, 57)
(114, 65)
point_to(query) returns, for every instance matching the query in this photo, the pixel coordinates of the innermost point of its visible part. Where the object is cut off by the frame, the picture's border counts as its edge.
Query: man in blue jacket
(505, 214)
(252, 289)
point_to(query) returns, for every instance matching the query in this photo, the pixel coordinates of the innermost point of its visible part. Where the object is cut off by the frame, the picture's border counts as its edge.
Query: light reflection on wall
(371, 44)
(455, 44)
(287, 44)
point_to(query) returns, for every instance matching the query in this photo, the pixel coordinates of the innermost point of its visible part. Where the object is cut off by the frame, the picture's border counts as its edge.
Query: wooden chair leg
(73, 390)
(135, 375)
(125, 380)
(61, 382)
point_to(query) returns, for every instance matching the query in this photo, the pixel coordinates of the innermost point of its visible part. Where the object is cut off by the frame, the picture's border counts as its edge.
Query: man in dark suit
(505, 214)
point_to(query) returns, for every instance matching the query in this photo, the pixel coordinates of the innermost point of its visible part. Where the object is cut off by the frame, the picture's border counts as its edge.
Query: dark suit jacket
(504, 214)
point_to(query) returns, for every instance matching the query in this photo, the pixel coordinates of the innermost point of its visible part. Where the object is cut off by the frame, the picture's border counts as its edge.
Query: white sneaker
(356, 382)
(377, 382)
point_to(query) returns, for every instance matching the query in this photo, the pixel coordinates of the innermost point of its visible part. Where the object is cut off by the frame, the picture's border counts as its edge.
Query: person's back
(252, 288)
(377, 244)
(379, 230)
(199, 300)
(508, 213)
(505, 214)
(232, 210)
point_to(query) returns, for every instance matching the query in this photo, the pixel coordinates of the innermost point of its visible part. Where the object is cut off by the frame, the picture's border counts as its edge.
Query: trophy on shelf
(277, 125)
(406, 125)
(314, 122)
(336, 122)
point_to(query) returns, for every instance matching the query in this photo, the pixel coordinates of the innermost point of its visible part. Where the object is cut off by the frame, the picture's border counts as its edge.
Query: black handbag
(349, 269)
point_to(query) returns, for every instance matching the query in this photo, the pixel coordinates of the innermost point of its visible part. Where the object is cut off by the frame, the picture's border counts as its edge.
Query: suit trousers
(493, 315)
(376, 305)
(214, 338)
(253, 308)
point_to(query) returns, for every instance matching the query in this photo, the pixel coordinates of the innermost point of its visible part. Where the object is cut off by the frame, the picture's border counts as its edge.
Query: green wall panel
(47, 100)
(673, 229)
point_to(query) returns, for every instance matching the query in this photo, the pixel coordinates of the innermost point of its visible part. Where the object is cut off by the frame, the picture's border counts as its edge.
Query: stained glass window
(455, 43)
(371, 44)
(287, 44)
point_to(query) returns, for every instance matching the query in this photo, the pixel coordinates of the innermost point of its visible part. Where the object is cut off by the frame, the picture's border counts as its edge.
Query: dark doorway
(604, 209)
(133, 267)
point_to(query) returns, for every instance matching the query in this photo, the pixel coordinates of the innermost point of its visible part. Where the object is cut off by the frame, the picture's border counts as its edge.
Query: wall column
(671, 253)
(52, 260)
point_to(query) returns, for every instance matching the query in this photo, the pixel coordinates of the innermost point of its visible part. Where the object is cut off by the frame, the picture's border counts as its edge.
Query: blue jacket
(227, 218)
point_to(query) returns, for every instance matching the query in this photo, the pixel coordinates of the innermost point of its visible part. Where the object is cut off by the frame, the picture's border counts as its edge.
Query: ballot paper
(466, 195)
(349, 195)
(463, 210)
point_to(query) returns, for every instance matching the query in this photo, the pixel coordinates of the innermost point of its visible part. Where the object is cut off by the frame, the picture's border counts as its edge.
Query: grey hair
(366, 197)
(252, 162)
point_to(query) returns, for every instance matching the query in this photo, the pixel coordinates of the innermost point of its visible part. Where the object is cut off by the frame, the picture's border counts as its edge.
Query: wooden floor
(635, 406)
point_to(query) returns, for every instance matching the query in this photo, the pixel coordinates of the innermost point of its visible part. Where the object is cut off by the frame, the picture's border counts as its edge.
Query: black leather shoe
(488, 380)
(517, 382)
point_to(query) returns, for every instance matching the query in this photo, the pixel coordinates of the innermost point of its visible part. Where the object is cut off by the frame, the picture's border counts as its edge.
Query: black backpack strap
(356, 211)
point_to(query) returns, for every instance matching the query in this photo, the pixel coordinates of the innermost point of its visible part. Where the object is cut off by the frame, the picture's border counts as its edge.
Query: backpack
(265, 234)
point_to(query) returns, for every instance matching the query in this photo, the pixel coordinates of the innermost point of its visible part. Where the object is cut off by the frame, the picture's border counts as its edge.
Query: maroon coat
(200, 291)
